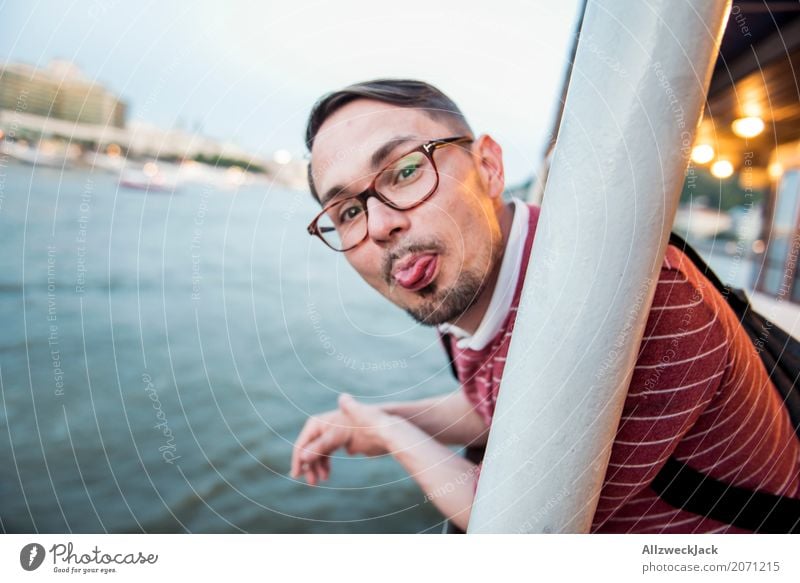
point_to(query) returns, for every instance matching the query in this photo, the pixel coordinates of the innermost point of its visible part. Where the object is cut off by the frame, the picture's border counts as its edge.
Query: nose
(384, 222)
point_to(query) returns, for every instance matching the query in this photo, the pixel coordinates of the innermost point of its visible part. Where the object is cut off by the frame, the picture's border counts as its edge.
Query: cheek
(477, 247)
(465, 213)
(455, 225)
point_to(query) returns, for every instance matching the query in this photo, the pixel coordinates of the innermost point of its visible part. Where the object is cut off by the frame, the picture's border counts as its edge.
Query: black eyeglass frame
(428, 148)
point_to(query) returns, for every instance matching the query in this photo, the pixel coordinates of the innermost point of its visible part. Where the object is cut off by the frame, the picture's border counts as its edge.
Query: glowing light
(47, 147)
(150, 169)
(235, 175)
(702, 154)
(748, 127)
(113, 150)
(282, 157)
(775, 170)
(722, 169)
(751, 107)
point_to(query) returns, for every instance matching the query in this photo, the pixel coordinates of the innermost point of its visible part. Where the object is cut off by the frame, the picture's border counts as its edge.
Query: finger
(301, 472)
(297, 463)
(325, 468)
(325, 444)
(310, 431)
(318, 468)
(313, 468)
(312, 473)
(360, 414)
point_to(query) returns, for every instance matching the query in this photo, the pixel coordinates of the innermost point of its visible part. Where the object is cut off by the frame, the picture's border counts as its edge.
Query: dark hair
(400, 92)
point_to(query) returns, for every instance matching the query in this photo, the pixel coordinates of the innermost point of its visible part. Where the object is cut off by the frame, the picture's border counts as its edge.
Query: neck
(471, 319)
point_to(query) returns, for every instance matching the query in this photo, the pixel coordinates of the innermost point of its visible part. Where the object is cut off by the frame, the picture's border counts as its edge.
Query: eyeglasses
(402, 185)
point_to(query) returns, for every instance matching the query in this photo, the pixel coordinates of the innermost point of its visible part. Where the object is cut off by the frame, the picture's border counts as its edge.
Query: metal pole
(636, 95)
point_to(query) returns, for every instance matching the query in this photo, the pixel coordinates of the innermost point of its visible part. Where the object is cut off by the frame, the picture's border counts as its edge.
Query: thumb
(350, 406)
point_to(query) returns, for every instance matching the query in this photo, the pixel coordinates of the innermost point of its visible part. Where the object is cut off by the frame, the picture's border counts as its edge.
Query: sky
(250, 71)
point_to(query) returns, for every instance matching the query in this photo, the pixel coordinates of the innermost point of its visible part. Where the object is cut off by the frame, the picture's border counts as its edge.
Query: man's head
(436, 259)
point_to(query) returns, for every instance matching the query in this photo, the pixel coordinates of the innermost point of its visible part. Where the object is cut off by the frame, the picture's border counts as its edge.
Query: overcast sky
(250, 71)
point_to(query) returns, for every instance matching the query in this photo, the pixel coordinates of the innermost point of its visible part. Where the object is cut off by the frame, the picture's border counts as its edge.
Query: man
(414, 201)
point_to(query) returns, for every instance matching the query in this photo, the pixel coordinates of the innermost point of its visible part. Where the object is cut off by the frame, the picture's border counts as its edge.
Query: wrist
(401, 435)
(391, 408)
(393, 432)
(409, 409)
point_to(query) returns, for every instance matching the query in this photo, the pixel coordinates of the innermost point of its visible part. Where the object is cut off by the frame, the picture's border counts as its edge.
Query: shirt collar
(503, 293)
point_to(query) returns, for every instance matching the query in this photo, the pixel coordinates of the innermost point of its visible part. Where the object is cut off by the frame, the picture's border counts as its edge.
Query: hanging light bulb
(748, 127)
(775, 170)
(702, 154)
(722, 169)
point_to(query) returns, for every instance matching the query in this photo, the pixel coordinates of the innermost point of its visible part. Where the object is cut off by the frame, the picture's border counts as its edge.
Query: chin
(438, 305)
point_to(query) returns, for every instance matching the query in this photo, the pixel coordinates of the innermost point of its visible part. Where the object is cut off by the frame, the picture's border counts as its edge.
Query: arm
(448, 418)
(448, 480)
(679, 368)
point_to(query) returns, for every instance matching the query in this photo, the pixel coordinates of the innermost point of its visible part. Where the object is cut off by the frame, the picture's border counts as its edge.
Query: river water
(160, 352)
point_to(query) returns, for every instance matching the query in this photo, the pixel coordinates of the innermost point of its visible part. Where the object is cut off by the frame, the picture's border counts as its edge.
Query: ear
(488, 156)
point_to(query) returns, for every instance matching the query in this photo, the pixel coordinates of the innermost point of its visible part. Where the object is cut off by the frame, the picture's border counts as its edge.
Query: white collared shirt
(503, 293)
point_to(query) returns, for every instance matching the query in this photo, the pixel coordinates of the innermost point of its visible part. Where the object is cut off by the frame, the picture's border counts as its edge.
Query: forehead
(346, 141)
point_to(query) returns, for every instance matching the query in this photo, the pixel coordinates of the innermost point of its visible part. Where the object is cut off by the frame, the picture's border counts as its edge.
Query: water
(159, 354)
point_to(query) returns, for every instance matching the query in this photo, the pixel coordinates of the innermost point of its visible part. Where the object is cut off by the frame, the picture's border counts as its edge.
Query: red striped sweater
(699, 392)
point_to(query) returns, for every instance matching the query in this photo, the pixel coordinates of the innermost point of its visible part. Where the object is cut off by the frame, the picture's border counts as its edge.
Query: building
(61, 92)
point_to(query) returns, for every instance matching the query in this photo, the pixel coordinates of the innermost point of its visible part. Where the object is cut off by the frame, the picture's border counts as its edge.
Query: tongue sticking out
(417, 274)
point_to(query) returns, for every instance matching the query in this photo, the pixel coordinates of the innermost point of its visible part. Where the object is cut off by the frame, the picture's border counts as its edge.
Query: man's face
(433, 260)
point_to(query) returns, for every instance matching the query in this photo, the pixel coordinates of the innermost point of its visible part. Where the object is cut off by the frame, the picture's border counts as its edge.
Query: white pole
(635, 97)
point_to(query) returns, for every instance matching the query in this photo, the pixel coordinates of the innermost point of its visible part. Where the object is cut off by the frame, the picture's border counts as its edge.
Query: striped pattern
(699, 392)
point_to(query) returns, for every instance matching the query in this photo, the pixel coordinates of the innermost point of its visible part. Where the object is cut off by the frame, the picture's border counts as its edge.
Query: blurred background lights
(702, 154)
(722, 169)
(282, 157)
(747, 127)
(150, 169)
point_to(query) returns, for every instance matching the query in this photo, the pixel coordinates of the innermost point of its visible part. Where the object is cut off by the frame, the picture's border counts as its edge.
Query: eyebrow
(375, 160)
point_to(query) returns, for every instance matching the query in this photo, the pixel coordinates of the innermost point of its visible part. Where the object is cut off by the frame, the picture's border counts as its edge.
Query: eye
(407, 169)
(349, 211)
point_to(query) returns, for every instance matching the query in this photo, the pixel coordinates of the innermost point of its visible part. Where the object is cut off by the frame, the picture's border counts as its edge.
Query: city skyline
(250, 74)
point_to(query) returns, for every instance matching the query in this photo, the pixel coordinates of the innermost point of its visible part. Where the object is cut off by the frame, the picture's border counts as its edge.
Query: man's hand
(355, 426)
(368, 425)
(447, 479)
(322, 434)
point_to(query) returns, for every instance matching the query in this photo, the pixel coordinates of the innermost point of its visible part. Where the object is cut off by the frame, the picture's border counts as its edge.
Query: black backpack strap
(445, 338)
(780, 353)
(685, 488)
(691, 253)
(778, 350)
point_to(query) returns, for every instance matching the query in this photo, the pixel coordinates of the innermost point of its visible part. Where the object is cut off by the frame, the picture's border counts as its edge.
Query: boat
(151, 178)
(47, 156)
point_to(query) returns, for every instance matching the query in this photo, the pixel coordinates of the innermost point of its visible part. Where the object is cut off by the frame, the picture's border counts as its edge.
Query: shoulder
(685, 324)
(680, 279)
